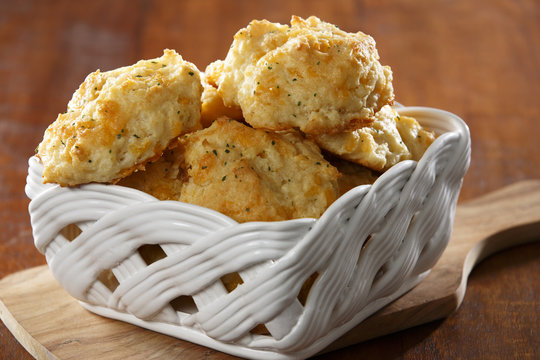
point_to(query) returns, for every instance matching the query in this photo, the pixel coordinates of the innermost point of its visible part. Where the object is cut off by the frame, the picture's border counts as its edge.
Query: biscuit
(310, 76)
(255, 175)
(120, 119)
(382, 144)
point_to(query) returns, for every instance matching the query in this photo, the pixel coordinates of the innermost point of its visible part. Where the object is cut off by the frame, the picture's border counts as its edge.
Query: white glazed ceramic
(372, 245)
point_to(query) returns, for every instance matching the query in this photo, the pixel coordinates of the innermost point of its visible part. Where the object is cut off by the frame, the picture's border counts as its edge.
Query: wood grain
(51, 324)
(478, 59)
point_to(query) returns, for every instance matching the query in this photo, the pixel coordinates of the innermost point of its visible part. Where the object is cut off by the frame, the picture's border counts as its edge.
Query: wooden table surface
(478, 59)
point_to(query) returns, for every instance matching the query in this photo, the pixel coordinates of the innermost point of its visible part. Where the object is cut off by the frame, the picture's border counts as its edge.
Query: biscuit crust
(255, 175)
(120, 119)
(310, 76)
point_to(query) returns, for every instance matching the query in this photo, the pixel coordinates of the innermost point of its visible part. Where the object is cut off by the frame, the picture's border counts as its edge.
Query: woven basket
(371, 245)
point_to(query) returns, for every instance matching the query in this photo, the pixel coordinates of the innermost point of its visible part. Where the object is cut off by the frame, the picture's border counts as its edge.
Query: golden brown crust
(118, 120)
(310, 76)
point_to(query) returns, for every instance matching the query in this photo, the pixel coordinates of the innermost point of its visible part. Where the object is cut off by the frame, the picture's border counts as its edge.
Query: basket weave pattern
(372, 245)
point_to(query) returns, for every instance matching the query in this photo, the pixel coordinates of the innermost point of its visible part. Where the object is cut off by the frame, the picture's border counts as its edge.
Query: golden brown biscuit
(377, 146)
(255, 175)
(311, 76)
(120, 119)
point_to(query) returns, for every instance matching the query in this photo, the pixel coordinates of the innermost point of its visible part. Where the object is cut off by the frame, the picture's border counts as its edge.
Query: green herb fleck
(299, 103)
(294, 79)
(269, 68)
(223, 178)
(318, 163)
(89, 161)
(191, 73)
(247, 209)
(315, 94)
(138, 75)
(227, 151)
(273, 142)
(118, 136)
(215, 152)
(137, 136)
(204, 167)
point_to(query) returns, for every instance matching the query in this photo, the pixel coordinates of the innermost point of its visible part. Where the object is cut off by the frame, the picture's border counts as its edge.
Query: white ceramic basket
(372, 245)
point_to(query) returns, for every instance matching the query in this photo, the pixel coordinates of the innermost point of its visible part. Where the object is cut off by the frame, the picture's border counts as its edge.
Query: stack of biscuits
(292, 118)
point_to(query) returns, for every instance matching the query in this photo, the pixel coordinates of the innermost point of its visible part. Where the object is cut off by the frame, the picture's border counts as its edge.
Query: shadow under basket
(265, 290)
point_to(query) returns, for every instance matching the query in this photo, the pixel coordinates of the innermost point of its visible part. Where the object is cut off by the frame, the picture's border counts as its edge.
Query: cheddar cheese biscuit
(387, 141)
(255, 175)
(120, 119)
(311, 76)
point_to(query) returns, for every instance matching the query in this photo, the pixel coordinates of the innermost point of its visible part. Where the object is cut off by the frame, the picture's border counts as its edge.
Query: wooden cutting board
(50, 324)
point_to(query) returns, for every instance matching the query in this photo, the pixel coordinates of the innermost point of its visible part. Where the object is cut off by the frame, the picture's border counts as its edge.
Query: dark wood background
(479, 59)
